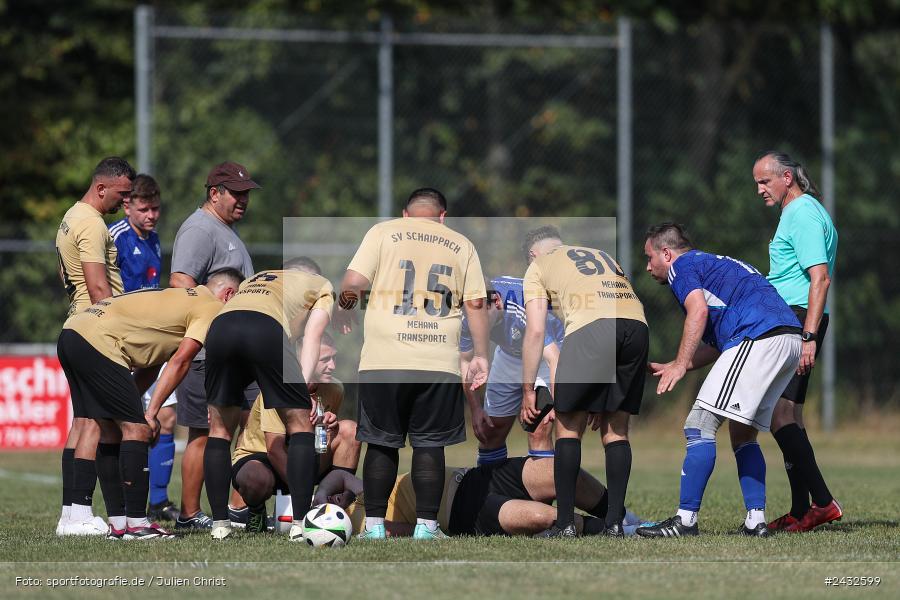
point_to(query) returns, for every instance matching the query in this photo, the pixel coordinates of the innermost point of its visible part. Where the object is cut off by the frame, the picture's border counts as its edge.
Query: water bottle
(321, 433)
(283, 512)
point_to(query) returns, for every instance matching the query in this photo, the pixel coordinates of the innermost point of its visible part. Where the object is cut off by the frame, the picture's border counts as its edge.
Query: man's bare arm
(182, 280)
(174, 372)
(95, 278)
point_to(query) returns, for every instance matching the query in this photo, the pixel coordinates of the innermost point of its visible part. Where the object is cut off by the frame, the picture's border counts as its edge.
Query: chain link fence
(516, 128)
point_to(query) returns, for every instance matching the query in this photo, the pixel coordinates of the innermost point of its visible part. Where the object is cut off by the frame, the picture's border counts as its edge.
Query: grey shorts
(191, 411)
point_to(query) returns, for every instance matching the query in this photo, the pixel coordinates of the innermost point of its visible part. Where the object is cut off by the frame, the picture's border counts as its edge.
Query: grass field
(862, 464)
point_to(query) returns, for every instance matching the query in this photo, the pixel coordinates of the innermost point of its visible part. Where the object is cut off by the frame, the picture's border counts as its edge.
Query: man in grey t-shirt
(205, 243)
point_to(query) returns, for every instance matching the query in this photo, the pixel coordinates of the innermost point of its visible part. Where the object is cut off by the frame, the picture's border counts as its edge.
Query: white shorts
(503, 397)
(746, 381)
(170, 401)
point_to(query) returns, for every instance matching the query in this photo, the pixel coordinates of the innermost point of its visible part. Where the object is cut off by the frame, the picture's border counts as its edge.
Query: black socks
(302, 469)
(618, 470)
(566, 465)
(68, 469)
(802, 470)
(217, 476)
(428, 481)
(84, 480)
(135, 477)
(379, 476)
(109, 475)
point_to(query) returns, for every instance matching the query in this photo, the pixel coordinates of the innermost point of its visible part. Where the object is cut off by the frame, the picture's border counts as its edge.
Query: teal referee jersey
(805, 237)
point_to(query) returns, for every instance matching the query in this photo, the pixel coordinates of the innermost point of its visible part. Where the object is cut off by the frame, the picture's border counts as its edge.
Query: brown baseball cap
(233, 176)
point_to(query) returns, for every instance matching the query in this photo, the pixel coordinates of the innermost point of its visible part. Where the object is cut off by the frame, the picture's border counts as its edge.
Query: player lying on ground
(754, 339)
(512, 497)
(98, 349)
(260, 458)
(494, 409)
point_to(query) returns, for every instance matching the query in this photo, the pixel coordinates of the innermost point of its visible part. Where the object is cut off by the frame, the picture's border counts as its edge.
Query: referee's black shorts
(796, 388)
(426, 406)
(245, 345)
(602, 367)
(100, 388)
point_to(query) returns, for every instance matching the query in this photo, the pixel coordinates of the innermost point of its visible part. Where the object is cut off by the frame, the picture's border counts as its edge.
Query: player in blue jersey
(754, 339)
(140, 256)
(140, 263)
(502, 400)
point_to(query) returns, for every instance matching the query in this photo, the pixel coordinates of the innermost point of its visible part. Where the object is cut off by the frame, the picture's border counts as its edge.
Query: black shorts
(100, 388)
(245, 345)
(427, 406)
(796, 388)
(482, 493)
(263, 458)
(191, 408)
(597, 375)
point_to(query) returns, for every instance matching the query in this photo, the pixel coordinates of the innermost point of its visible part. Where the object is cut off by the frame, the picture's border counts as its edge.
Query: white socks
(688, 517)
(81, 512)
(754, 518)
(118, 523)
(371, 522)
(430, 523)
(137, 523)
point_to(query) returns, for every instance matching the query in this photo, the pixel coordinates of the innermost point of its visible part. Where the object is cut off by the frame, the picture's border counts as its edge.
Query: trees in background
(504, 131)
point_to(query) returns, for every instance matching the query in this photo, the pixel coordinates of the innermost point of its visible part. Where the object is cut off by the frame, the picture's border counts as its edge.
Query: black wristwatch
(808, 336)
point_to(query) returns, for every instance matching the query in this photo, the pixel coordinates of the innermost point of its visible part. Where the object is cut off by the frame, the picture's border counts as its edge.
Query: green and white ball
(327, 525)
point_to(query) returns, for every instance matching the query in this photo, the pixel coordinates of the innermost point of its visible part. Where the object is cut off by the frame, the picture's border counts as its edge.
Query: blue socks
(161, 461)
(751, 467)
(498, 455)
(489, 457)
(540, 453)
(696, 470)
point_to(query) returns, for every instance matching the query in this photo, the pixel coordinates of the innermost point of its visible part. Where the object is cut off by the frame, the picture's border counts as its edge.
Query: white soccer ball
(327, 525)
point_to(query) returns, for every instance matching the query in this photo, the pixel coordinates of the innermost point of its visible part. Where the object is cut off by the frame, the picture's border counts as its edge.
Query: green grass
(862, 465)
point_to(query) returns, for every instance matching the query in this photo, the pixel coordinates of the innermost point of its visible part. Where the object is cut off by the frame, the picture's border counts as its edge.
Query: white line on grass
(32, 477)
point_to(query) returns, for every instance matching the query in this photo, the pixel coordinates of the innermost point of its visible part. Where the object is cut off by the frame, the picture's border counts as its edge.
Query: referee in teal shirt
(801, 263)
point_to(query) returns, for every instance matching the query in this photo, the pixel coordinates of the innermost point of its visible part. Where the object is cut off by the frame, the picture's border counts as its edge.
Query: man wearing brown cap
(207, 242)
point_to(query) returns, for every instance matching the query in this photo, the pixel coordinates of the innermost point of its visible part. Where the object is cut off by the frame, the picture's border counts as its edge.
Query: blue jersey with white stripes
(741, 302)
(140, 260)
(509, 330)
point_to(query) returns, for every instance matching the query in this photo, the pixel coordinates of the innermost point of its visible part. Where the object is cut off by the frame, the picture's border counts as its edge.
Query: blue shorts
(503, 397)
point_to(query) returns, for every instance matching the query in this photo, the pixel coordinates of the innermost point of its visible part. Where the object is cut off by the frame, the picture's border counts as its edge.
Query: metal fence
(340, 118)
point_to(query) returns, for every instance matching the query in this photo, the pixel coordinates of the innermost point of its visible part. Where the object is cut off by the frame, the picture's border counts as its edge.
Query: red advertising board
(35, 410)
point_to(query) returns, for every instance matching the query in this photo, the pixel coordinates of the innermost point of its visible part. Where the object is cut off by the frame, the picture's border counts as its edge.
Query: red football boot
(818, 516)
(783, 522)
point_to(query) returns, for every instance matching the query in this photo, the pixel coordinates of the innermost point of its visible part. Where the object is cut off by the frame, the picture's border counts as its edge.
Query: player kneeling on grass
(254, 339)
(259, 462)
(754, 339)
(98, 349)
(510, 497)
